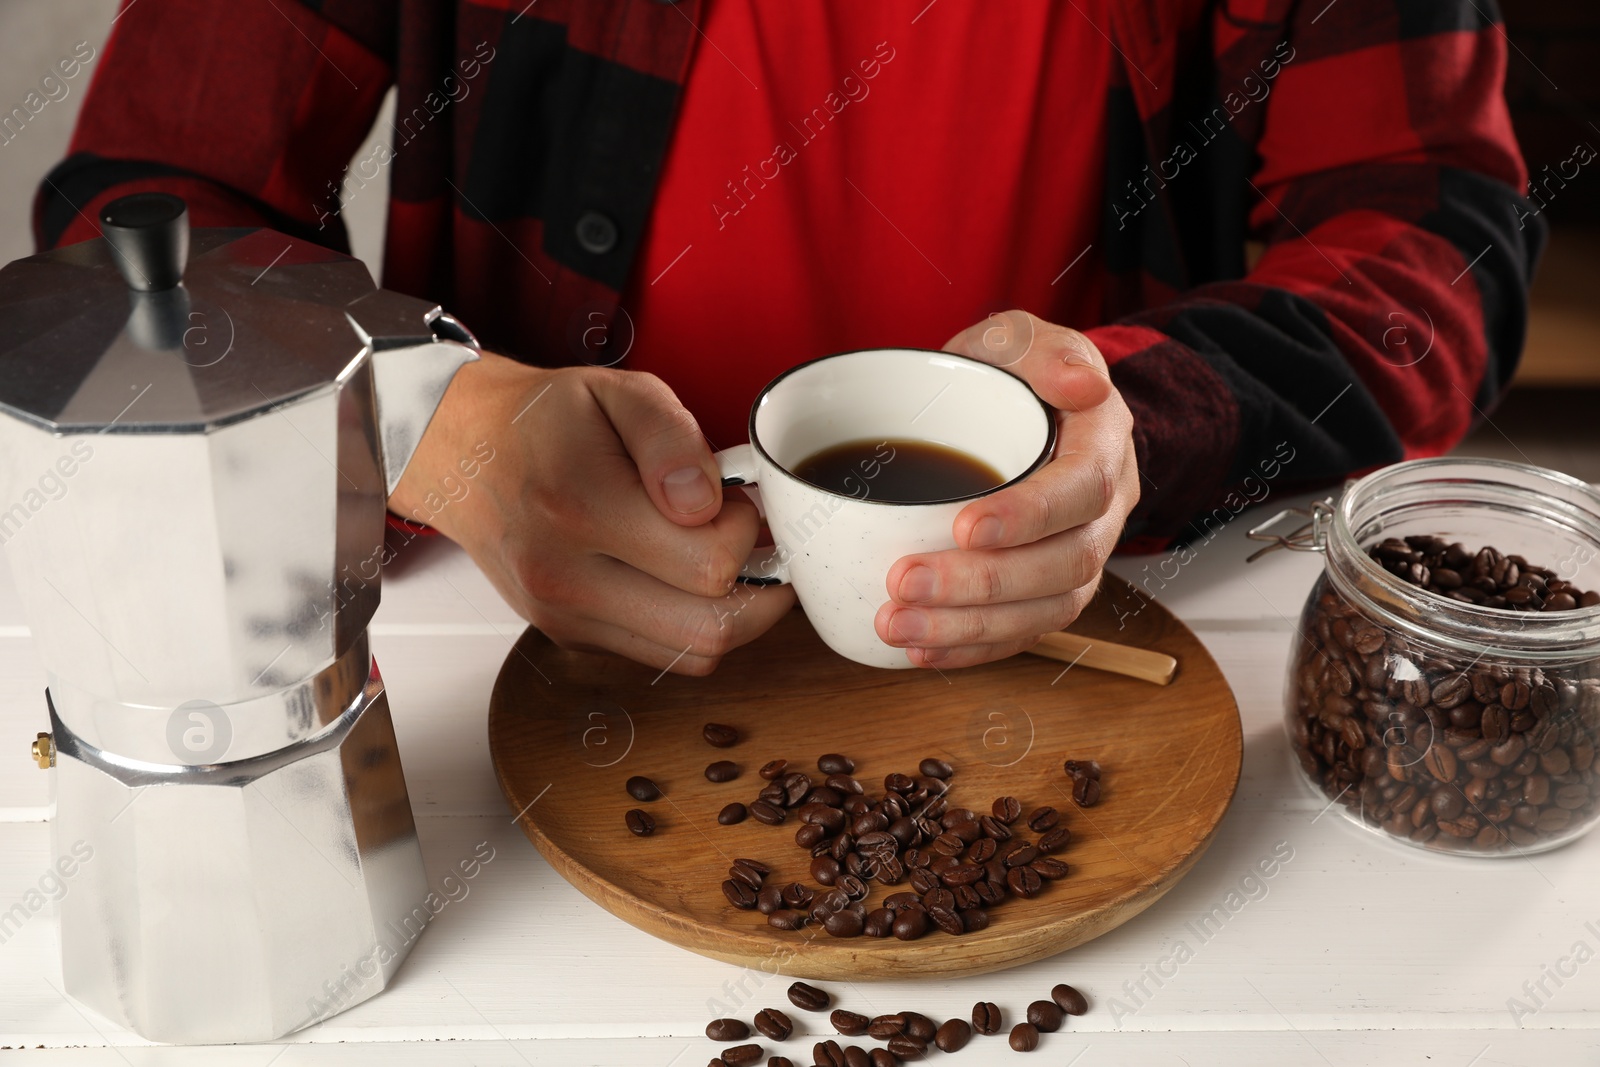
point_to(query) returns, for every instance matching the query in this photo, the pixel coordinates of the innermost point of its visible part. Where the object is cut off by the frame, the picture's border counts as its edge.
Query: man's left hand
(1029, 557)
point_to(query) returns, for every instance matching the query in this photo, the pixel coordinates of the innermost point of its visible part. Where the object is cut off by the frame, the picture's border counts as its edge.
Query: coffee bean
(1440, 762)
(986, 1017)
(827, 1054)
(1042, 819)
(1048, 867)
(1086, 792)
(773, 769)
(856, 1056)
(917, 1025)
(739, 894)
(722, 771)
(882, 1057)
(907, 1048)
(933, 767)
(953, 1035)
(798, 895)
(1082, 769)
(946, 918)
(742, 1055)
(834, 763)
(879, 923)
(1007, 809)
(1024, 1037)
(982, 850)
(774, 1024)
(1025, 881)
(718, 735)
(1046, 1015)
(1021, 857)
(732, 814)
(780, 1061)
(974, 919)
(641, 788)
(1055, 840)
(767, 812)
(640, 823)
(910, 925)
(883, 1027)
(787, 919)
(1069, 999)
(844, 924)
(727, 1030)
(849, 1023)
(808, 997)
(769, 899)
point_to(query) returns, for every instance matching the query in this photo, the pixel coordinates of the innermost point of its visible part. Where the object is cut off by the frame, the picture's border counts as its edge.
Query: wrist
(481, 402)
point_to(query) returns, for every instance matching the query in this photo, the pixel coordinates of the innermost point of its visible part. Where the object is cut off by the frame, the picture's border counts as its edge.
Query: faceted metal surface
(245, 901)
(192, 503)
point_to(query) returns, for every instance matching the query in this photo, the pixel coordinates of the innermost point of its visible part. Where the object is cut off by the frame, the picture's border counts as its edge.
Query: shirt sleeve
(250, 110)
(1389, 307)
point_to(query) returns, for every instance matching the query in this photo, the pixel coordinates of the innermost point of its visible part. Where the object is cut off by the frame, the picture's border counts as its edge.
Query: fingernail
(687, 490)
(987, 531)
(919, 583)
(909, 625)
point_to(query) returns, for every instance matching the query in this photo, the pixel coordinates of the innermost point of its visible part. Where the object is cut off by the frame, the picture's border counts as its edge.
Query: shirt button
(597, 234)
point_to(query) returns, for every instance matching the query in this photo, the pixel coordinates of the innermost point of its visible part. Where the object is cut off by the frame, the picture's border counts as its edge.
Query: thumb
(1062, 365)
(664, 441)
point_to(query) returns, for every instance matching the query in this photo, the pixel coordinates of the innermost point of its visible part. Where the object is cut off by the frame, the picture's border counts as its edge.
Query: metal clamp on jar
(1456, 710)
(202, 433)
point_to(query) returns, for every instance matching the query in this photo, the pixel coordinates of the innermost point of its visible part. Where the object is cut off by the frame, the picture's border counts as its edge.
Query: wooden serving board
(567, 729)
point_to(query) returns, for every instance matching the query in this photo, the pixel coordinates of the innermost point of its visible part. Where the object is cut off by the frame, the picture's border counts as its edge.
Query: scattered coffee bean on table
(640, 822)
(918, 1025)
(933, 767)
(808, 997)
(641, 788)
(1024, 1037)
(719, 735)
(732, 814)
(727, 1030)
(953, 1035)
(986, 1017)
(856, 1056)
(1069, 999)
(904, 1047)
(849, 1023)
(722, 771)
(774, 1024)
(773, 769)
(780, 1061)
(1046, 1016)
(743, 1055)
(882, 1057)
(827, 1054)
(834, 763)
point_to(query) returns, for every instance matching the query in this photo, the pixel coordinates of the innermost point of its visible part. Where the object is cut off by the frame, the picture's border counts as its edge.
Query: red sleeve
(250, 110)
(1389, 307)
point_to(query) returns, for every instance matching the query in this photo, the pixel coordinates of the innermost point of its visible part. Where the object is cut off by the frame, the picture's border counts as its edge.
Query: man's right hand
(600, 517)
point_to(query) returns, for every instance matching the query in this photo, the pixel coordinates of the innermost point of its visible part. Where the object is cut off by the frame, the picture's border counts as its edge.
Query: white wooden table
(1356, 952)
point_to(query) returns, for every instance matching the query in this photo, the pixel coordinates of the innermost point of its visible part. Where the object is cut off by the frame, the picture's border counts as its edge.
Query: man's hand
(600, 516)
(1030, 556)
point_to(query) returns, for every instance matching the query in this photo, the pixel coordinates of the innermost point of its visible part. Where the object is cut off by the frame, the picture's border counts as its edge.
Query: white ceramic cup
(836, 549)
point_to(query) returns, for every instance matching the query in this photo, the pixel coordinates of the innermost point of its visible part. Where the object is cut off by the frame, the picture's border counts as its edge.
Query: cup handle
(737, 465)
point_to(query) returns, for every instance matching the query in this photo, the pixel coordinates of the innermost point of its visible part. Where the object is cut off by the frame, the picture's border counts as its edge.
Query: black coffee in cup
(898, 471)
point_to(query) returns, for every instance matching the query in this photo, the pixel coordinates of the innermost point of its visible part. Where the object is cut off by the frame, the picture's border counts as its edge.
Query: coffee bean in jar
(1445, 685)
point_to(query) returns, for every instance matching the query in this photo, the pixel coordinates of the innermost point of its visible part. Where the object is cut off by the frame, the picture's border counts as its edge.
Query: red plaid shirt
(1363, 147)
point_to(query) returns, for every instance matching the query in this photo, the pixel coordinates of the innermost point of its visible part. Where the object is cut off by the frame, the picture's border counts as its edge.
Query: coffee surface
(898, 471)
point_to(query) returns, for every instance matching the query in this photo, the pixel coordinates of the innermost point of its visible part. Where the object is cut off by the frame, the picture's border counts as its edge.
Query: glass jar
(1443, 723)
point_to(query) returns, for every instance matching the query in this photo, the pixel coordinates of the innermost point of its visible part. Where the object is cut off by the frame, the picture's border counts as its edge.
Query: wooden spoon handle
(1138, 663)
